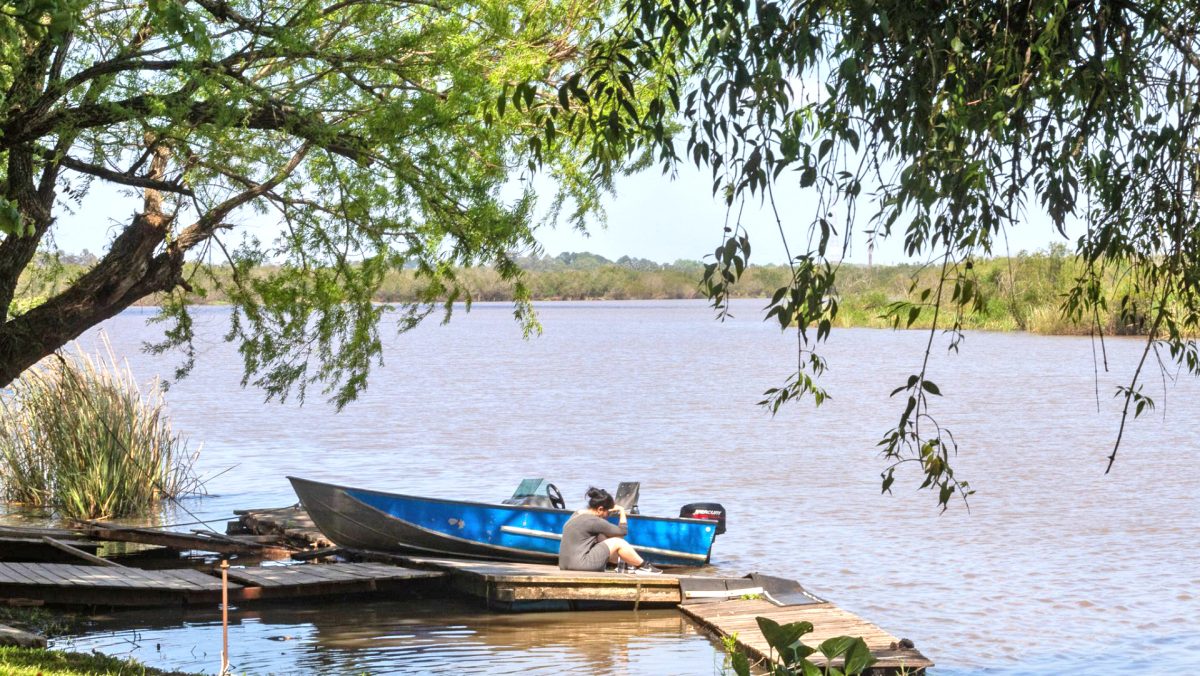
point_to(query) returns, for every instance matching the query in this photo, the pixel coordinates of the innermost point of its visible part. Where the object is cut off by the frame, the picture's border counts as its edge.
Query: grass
(78, 436)
(41, 662)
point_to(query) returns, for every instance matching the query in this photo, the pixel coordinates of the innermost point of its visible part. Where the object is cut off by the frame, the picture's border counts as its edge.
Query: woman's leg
(618, 548)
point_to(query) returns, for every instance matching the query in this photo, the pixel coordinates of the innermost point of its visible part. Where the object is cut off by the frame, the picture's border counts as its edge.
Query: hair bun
(598, 497)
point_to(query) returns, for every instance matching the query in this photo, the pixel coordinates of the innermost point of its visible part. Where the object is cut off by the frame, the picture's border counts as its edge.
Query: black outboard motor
(710, 511)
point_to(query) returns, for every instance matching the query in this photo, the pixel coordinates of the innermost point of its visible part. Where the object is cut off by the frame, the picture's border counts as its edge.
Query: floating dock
(72, 584)
(288, 582)
(738, 618)
(532, 586)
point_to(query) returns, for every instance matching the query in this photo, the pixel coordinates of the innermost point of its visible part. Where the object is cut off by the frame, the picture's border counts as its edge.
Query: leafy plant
(785, 640)
(79, 437)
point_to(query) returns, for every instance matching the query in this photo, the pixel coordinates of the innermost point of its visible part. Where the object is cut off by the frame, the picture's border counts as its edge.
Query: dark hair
(598, 497)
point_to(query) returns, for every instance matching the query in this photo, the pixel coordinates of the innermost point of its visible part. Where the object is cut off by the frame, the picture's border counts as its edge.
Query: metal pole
(224, 617)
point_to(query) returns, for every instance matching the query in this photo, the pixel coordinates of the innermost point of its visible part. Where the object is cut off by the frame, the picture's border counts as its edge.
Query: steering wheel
(556, 498)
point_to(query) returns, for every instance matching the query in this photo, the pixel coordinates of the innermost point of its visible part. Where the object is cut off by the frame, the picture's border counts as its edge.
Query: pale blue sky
(652, 217)
(663, 220)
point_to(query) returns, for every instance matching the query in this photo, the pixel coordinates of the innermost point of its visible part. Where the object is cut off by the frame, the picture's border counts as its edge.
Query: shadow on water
(404, 637)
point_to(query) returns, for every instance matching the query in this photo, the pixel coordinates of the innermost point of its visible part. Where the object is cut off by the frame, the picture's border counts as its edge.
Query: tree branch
(203, 228)
(114, 176)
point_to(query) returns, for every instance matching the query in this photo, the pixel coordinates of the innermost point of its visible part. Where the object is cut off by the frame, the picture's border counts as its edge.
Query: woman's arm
(607, 528)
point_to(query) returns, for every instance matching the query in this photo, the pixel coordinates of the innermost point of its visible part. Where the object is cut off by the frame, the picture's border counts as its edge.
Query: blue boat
(524, 530)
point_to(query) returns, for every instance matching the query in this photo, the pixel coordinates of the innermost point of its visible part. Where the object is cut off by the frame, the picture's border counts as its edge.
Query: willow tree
(944, 124)
(377, 135)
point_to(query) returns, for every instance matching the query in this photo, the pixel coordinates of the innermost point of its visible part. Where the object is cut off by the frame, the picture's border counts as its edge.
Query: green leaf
(858, 657)
(740, 664)
(10, 218)
(781, 637)
(834, 647)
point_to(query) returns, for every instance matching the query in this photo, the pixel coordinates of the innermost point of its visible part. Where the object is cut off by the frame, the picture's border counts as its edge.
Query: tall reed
(79, 437)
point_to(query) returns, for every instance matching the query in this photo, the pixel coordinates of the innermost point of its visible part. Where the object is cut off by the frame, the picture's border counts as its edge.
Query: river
(1056, 567)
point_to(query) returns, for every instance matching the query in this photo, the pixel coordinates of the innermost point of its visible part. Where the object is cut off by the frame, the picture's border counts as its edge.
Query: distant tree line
(1024, 292)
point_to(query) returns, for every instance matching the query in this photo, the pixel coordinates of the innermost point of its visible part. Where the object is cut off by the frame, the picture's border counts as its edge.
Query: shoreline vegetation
(1025, 292)
(80, 437)
(44, 662)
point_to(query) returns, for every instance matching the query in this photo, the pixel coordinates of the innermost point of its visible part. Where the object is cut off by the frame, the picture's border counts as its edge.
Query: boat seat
(627, 495)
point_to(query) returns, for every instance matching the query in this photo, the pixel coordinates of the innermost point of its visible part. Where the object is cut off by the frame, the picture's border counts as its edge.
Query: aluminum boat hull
(358, 518)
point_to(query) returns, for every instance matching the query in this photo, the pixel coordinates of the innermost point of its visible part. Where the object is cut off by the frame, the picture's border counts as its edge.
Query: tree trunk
(131, 271)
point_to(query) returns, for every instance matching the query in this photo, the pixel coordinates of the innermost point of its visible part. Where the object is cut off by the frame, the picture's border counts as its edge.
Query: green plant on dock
(785, 640)
(79, 437)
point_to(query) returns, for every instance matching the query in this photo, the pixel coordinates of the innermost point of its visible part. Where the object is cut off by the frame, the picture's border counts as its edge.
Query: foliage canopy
(946, 124)
(382, 133)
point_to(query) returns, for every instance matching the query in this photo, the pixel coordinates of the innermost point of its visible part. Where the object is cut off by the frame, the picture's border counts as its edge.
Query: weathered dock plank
(96, 585)
(280, 582)
(729, 618)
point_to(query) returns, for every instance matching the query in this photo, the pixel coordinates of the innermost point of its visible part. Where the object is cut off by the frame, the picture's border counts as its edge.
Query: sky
(663, 220)
(651, 216)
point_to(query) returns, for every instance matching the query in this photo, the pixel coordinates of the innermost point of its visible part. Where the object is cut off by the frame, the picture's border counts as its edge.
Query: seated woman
(589, 541)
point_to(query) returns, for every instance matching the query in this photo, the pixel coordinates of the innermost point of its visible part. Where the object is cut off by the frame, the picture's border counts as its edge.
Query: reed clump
(79, 437)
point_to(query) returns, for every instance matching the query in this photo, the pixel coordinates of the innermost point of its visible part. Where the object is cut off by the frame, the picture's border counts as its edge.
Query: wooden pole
(224, 617)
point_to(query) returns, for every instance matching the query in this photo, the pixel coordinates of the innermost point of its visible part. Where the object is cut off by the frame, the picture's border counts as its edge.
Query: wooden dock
(738, 617)
(532, 586)
(516, 587)
(527, 586)
(288, 582)
(97, 585)
(70, 584)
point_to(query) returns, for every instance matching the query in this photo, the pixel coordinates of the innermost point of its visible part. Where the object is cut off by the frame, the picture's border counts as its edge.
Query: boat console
(536, 493)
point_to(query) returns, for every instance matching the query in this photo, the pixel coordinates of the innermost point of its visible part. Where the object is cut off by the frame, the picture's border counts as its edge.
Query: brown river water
(1056, 568)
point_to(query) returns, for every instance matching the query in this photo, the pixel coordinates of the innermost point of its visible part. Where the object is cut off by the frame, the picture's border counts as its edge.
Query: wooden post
(224, 617)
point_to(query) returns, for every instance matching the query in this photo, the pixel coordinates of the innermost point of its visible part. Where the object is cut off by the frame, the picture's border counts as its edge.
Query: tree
(379, 134)
(945, 124)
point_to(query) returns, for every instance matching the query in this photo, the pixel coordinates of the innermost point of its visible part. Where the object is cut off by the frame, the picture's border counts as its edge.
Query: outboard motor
(710, 511)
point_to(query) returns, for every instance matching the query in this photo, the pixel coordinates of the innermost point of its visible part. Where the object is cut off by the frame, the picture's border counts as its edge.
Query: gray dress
(581, 549)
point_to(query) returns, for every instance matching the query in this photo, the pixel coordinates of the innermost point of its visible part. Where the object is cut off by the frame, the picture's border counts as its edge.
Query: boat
(524, 528)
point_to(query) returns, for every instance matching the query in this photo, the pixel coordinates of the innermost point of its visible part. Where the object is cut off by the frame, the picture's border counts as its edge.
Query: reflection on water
(407, 637)
(1055, 564)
